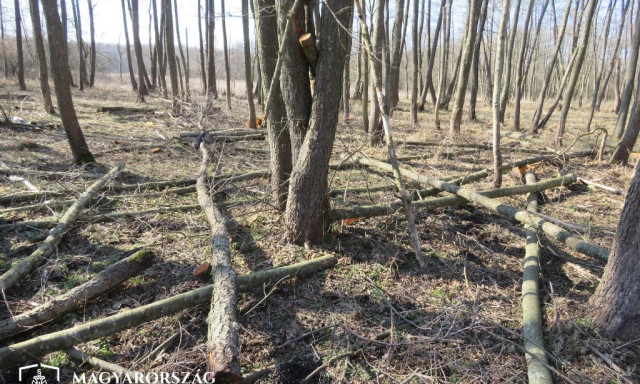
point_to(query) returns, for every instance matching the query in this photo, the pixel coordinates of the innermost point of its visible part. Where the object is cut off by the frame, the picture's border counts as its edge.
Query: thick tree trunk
(616, 302)
(171, 54)
(34, 9)
(61, 79)
(142, 87)
(569, 91)
(226, 55)
(248, 64)
(495, 104)
(628, 78)
(294, 76)
(134, 83)
(307, 205)
(467, 56)
(279, 140)
(20, 65)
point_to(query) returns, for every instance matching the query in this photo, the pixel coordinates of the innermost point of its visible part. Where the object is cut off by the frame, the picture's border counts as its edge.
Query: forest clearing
(320, 229)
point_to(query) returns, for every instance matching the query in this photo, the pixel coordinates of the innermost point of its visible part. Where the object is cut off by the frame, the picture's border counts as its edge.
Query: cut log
(22, 268)
(95, 329)
(524, 217)
(223, 341)
(103, 282)
(104, 365)
(531, 314)
(119, 109)
(387, 209)
(603, 187)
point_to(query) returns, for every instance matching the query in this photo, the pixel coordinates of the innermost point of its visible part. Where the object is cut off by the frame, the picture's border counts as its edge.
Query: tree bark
(142, 72)
(248, 64)
(280, 160)
(223, 341)
(34, 9)
(569, 91)
(475, 63)
(203, 72)
(21, 269)
(212, 87)
(92, 50)
(393, 74)
(307, 203)
(226, 54)
(95, 329)
(414, 87)
(82, 69)
(171, 54)
(497, 83)
(625, 146)
(61, 80)
(375, 124)
(134, 83)
(101, 283)
(467, 56)
(428, 77)
(20, 65)
(616, 302)
(346, 75)
(506, 85)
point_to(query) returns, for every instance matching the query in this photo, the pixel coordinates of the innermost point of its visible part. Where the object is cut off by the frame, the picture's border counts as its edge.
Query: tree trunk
(428, 78)
(444, 54)
(393, 74)
(616, 301)
(346, 74)
(171, 54)
(92, 51)
(307, 210)
(279, 140)
(467, 56)
(77, 20)
(375, 123)
(520, 68)
(63, 16)
(159, 43)
(504, 96)
(625, 146)
(212, 87)
(226, 54)
(134, 84)
(203, 72)
(60, 73)
(185, 65)
(628, 78)
(142, 87)
(4, 46)
(20, 72)
(365, 78)
(294, 77)
(569, 91)
(248, 63)
(34, 9)
(414, 88)
(614, 55)
(497, 83)
(475, 64)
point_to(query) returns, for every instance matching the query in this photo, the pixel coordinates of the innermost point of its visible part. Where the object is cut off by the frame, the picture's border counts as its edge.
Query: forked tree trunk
(307, 210)
(134, 83)
(226, 54)
(160, 54)
(467, 56)
(20, 68)
(617, 298)
(60, 73)
(628, 78)
(42, 57)
(247, 63)
(279, 140)
(497, 83)
(568, 93)
(171, 54)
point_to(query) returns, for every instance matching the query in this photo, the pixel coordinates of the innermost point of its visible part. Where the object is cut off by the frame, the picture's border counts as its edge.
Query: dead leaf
(201, 269)
(155, 150)
(352, 220)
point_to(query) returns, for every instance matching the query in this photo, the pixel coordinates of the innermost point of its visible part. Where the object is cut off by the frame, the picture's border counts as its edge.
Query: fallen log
(95, 329)
(28, 196)
(535, 356)
(524, 217)
(603, 187)
(105, 365)
(223, 341)
(101, 283)
(23, 267)
(387, 209)
(224, 133)
(224, 178)
(122, 109)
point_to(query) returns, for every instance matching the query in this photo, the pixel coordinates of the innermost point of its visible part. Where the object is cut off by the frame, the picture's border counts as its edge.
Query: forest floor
(465, 319)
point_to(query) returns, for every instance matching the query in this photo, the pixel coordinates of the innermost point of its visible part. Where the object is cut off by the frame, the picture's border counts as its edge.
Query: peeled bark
(616, 302)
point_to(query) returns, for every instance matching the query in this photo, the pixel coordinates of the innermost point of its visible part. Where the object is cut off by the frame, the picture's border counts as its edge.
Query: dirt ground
(375, 316)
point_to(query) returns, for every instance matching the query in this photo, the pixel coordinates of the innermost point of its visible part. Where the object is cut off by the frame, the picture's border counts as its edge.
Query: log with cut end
(103, 282)
(95, 329)
(23, 267)
(223, 341)
(531, 314)
(524, 217)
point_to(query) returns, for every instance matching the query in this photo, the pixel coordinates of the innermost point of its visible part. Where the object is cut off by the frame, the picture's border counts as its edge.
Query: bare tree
(497, 83)
(42, 57)
(628, 78)
(414, 88)
(212, 88)
(4, 48)
(475, 63)
(504, 96)
(171, 54)
(247, 63)
(203, 72)
(617, 299)
(20, 68)
(226, 55)
(185, 64)
(428, 78)
(77, 21)
(375, 123)
(135, 26)
(134, 83)
(92, 49)
(393, 74)
(60, 73)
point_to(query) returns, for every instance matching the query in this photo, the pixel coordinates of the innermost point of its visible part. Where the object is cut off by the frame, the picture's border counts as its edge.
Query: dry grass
(460, 317)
